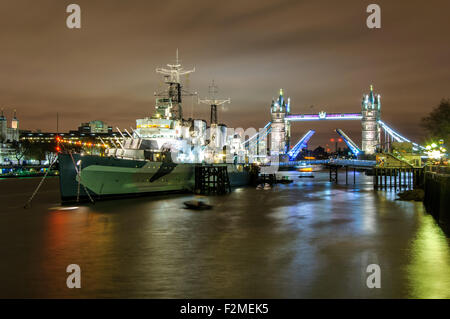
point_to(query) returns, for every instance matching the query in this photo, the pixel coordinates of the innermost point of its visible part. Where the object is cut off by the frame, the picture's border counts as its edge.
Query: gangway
(351, 145)
(360, 164)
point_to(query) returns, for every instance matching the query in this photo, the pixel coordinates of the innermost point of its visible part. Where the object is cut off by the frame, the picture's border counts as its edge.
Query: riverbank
(25, 171)
(437, 197)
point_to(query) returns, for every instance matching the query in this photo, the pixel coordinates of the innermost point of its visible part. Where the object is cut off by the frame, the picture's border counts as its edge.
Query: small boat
(267, 186)
(197, 205)
(285, 180)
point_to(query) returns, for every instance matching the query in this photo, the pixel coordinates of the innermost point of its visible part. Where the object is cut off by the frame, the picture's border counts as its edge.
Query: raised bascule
(279, 128)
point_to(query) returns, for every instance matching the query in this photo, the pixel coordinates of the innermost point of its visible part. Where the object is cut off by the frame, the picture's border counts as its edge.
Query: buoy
(197, 205)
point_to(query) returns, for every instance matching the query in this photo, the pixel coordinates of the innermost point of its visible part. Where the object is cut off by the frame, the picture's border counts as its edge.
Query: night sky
(320, 52)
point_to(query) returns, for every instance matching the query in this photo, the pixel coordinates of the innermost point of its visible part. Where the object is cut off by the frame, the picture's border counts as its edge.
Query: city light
(435, 154)
(434, 151)
(79, 143)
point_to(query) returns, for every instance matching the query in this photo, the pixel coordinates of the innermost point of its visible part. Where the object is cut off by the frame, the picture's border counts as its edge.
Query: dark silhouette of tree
(42, 151)
(437, 123)
(20, 149)
(39, 151)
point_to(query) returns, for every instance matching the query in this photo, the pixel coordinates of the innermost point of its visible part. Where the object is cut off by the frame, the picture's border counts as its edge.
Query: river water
(309, 239)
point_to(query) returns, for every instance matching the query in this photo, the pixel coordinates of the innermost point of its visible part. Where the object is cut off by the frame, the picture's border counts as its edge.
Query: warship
(159, 155)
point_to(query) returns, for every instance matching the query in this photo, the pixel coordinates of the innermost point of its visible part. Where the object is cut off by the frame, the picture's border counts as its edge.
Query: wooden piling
(395, 179)
(346, 175)
(212, 179)
(375, 178)
(400, 178)
(390, 179)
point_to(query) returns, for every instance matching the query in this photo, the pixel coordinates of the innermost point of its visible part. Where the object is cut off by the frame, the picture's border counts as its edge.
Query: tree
(20, 149)
(50, 156)
(42, 151)
(437, 123)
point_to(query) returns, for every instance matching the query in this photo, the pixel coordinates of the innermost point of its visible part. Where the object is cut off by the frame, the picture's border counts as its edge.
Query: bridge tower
(371, 131)
(281, 128)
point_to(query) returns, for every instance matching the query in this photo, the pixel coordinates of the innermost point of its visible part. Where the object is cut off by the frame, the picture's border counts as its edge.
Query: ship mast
(214, 102)
(174, 91)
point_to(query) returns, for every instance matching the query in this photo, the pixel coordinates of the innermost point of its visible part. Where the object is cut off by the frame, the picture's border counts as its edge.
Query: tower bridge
(279, 128)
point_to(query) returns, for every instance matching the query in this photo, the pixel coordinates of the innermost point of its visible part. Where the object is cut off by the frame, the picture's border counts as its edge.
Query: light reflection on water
(309, 239)
(429, 268)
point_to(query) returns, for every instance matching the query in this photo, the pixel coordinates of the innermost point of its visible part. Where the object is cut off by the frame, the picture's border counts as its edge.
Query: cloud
(319, 51)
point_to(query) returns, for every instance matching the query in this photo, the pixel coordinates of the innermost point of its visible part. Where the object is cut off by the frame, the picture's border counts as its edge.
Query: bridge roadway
(333, 162)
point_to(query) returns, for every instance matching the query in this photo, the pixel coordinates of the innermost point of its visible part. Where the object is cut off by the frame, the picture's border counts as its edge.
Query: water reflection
(308, 239)
(428, 272)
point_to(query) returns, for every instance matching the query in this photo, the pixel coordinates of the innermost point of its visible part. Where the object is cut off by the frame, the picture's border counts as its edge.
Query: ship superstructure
(166, 131)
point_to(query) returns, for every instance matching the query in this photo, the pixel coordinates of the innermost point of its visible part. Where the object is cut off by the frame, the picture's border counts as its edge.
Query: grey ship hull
(108, 177)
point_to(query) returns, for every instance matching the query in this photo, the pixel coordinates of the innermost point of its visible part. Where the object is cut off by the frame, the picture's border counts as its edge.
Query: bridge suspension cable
(397, 137)
(266, 130)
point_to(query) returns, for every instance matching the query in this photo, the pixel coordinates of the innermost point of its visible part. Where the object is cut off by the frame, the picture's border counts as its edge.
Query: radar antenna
(214, 102)
(174, 92)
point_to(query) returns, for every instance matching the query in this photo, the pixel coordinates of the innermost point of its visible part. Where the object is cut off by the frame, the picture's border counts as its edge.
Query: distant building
(9, 134)
(94, 127)
(320, 153)
(94, 132)
(90, 131)
(42, 137)
(73, 139)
